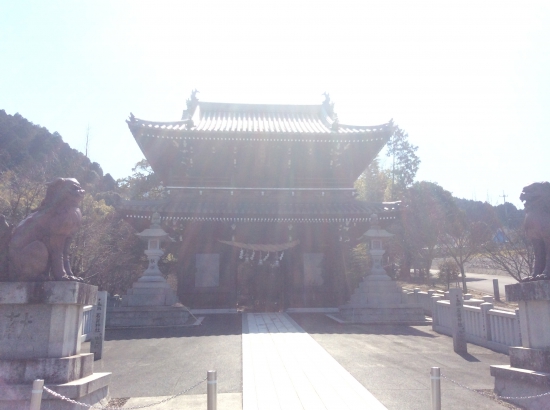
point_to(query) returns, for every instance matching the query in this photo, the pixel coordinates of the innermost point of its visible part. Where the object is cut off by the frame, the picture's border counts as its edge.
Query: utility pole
(504, 196)
(393, 177)
(505, 208)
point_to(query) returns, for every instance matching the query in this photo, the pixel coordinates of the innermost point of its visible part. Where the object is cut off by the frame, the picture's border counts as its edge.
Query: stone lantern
(378, 299)
(150, 301)
(154, 236)
(377, 237)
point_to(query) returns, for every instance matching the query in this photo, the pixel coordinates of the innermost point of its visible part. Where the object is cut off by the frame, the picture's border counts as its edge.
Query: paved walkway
(284, 368)
(281, 366)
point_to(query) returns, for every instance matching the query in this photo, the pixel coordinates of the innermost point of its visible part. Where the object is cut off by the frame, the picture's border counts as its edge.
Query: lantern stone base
(158, 293)
(529, 370)
(377, 300)
(149, 303)
(40, 325)
(396, 315)
(146, 316)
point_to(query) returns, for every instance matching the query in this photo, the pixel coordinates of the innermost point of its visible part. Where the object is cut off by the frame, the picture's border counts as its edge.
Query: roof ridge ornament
(191, 103)
(329, 107)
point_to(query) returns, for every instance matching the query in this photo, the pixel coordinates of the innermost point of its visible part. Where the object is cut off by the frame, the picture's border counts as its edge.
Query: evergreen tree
(404, 163)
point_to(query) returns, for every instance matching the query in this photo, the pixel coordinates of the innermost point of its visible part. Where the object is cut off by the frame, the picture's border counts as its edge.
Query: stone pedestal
(529, 371)
(156, 293)
(148, 303)
(378, 300)
(40, 339)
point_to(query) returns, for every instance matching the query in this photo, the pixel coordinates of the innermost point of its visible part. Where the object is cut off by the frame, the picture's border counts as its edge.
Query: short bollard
(436, 388)
(212, 390)
(36, 394)
(496, 290)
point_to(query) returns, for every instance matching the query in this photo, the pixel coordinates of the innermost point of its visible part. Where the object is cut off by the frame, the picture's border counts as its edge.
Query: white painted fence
(485, 326)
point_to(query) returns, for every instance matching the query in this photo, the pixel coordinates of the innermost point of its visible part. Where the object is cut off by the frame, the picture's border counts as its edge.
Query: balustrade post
(428, 303)
(435, 315)
(485, 307)
(416, 291)
(487, 298)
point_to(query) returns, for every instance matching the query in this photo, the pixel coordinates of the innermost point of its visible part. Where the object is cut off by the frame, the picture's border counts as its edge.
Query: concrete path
(483, 282)
(393, 362)
(285, 369)
(292, 361)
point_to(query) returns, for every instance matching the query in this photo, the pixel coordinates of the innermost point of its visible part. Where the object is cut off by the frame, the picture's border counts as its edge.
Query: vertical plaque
(457, 312)
(98, 325)
(208, 270)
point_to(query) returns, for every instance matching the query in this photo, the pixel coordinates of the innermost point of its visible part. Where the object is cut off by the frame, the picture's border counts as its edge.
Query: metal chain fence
(96, 406)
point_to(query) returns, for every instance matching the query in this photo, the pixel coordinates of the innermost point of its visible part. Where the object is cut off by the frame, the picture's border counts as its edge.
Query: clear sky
(469, 81)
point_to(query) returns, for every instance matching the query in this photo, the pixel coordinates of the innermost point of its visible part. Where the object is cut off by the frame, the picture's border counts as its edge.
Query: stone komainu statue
(537, 225)
(40, 243)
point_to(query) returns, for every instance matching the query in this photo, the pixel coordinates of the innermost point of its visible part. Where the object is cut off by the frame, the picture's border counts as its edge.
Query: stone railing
(87, 315)
(417, 297)
(485, 326)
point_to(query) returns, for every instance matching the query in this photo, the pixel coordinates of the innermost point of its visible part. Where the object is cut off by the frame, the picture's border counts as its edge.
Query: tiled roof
(242, 208)
(210, 117)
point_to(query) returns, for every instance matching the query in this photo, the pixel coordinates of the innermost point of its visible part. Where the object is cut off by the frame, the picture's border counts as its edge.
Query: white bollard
(435, 375)
(211, 390)
(36, 394)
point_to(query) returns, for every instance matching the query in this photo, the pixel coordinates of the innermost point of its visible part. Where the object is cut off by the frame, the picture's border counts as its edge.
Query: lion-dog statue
(537, 225)
(40, 244)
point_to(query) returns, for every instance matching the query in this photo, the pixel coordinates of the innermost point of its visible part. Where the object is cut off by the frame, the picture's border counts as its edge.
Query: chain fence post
(36, 394)
(212, 390)
(435, 373)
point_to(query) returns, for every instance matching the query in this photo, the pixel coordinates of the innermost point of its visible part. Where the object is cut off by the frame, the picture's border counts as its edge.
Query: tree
(105, 251)
(21, 191)
(512, 253)
(117, 259)
(462, 239)
(448, 272)
(371, 186)
(427, 207)
(142, 184)
(404, 165)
